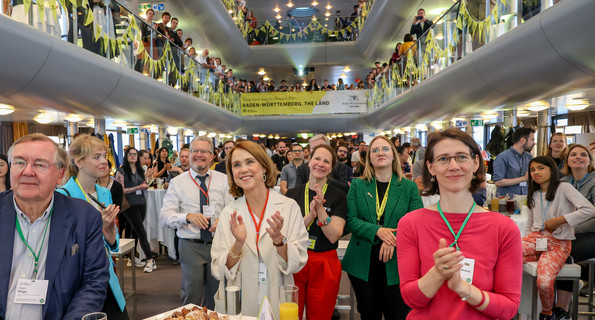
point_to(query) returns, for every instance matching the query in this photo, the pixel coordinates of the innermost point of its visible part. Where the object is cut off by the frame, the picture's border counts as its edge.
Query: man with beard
(192, 205)
(289, 172)
(279, 158)
(511, 167)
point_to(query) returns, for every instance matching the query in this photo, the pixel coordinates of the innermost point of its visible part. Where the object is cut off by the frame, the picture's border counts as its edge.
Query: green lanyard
(36, 256)
(381, 207)
(307, 202)
(458, 235)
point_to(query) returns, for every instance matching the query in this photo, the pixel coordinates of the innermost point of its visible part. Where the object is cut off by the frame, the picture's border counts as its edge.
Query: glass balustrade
(110, 30)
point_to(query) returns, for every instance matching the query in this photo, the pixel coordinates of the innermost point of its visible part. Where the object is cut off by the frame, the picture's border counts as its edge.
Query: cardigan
(362, 223)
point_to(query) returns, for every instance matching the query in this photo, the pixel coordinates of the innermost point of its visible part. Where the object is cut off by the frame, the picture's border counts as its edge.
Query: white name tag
(541, 244)
(31, 291)
(523, 184)
(139, 192)
(208, 211)
(467, 269)
(262, 272)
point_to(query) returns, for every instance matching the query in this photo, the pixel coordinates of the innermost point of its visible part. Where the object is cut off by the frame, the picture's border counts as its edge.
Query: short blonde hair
(80, 148)
(261, 156)
(369, 173)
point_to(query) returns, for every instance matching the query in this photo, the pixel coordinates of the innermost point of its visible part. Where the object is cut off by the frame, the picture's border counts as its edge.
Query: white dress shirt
(23, 262)
(183, 197)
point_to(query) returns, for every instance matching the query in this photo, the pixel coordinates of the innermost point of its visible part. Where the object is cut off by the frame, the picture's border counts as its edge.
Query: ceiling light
(266, 78)
(261, 72)
(325, 25)
(313, 18)
(44, 118)
(328, 14)
(343, 75)
(439, 37)
(230, 11)
(577, 105)
(278, 17)
(277, 9)
(119, 123)
(346, 69)
(275, 38)
(6, 109)
(437, 125)
(537, 106)
(339, 135)
(304, 136)
(73, 117)
(211, 135)
(270, 136)
(489, 115)
(314, 3)
(421, 127)
(328, 6)
(290, 4)
(292, 30)
(172, 131)
(277, 137)
(522, 113)
(188, 133)
(326, 19)
(263, 136)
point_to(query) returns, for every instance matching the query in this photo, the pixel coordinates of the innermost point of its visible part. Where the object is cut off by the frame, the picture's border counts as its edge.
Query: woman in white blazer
(281, 249)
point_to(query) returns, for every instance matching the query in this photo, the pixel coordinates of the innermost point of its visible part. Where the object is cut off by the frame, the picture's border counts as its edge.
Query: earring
(264, 177)
(474, 176)
(433, 179)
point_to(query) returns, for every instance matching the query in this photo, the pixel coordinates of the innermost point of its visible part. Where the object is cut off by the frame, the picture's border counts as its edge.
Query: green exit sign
(476, 123)
(131, 130)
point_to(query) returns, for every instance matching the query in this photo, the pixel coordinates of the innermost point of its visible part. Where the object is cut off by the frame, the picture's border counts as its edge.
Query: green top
(403, 197)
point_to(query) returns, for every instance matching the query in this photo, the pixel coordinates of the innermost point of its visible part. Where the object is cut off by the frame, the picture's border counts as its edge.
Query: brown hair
(431, 187)
(549, 149)
(80, 148)
(566, 170)
(369, 173)
(261, 156)
(330, 149)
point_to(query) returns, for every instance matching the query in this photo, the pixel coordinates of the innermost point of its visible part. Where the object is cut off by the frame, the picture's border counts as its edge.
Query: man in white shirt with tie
(192, 205)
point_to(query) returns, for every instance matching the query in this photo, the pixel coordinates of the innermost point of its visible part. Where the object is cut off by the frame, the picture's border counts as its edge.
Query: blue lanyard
(543, 213)
(580, 183)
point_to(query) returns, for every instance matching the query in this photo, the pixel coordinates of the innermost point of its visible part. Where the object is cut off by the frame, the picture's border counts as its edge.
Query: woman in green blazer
(375, 204)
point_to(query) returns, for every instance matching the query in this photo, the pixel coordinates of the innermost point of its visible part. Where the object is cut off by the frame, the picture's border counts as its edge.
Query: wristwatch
(284, 241)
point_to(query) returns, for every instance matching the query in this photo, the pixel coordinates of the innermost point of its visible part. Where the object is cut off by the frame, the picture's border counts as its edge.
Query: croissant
(213, 316)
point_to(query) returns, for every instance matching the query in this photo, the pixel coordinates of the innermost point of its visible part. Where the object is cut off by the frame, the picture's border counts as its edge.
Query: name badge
(523, 184)
(31, 291)
(262, 272)
(312, 242)
(139, 192)
(467, 269)
(541, 244)
(208, 211)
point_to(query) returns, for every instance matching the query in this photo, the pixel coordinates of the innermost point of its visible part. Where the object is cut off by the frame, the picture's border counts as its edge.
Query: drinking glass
(288, 302)
(233, 294)
(95, 316)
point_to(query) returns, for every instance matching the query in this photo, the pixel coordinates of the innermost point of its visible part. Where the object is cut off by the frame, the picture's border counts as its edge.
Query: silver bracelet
(468, 294)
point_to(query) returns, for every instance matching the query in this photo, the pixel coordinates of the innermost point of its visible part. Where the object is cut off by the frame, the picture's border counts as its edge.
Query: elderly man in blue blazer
(54, 265)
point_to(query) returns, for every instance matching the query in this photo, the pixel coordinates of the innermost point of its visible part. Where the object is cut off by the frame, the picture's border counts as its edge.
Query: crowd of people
(404, 258)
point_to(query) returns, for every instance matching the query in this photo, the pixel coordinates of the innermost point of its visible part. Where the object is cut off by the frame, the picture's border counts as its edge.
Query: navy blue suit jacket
(77, 282)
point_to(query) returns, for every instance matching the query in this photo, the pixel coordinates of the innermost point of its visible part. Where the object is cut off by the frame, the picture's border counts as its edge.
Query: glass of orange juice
(288, 302)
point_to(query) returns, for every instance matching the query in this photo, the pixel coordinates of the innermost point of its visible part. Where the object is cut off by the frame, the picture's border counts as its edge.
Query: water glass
(233, 294)
(288, 302)
(95, 316)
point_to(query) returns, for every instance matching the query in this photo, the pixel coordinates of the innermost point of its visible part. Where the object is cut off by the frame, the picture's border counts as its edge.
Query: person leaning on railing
(485, 251)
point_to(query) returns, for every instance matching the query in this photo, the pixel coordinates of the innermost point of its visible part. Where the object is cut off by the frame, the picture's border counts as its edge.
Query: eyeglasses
(444, 160)
(384, 150)
(204, 152)
(37, 166)
(297, 151)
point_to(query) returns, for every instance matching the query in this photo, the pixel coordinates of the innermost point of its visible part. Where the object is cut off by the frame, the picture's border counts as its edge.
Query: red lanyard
(208, 187)
(257, 225)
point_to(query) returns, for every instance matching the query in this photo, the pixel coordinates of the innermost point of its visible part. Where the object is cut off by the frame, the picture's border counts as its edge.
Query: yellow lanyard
(380, 208)
(84, 193)
(307, 200)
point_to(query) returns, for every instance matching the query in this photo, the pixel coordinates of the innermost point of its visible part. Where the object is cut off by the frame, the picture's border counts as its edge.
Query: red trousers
(318, 283)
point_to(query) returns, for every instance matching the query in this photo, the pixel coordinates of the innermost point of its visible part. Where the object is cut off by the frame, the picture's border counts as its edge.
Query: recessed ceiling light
(277, 9)
(328, 7)
(6, 109)
(290, 4)
(314, 3)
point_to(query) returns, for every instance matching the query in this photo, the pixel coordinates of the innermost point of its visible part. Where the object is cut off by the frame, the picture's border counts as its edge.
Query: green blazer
(362, 223)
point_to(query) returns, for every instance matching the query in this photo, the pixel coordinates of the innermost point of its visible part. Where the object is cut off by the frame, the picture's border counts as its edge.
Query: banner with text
(316, 102)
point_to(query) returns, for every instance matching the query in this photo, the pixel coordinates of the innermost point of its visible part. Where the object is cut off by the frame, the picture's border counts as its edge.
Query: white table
(156, 233)
(189, 307)
(126, 247)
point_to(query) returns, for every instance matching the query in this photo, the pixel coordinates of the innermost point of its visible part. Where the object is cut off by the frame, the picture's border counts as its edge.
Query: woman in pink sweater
(457, 260)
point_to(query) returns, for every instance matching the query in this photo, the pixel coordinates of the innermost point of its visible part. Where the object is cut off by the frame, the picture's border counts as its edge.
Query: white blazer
(280, 271)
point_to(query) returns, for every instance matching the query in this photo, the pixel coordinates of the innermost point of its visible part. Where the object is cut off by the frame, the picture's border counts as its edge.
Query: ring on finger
(445, 267)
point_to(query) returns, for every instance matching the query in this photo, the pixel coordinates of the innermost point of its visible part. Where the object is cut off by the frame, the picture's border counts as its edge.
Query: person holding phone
(87, 163)
(420, 24)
